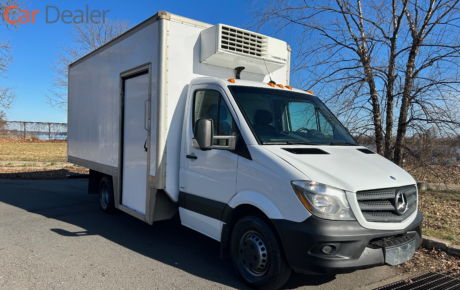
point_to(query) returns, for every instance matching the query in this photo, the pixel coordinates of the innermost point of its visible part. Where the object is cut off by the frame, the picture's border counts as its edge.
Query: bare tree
(2, 121)
(377, 63)
(12, 13)
(86, 37)
(7, 94)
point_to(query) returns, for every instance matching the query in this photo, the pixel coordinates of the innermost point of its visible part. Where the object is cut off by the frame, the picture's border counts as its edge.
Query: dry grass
(435, 173)
(441, 211)
(430, 260)
(26, 150)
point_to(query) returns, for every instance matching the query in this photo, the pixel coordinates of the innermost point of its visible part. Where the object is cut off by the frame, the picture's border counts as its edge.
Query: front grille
(242, 41)
(379, 205)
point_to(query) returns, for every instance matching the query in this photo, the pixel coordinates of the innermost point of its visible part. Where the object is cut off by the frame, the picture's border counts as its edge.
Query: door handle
(145, 145)
(191, 157)
(146, 109)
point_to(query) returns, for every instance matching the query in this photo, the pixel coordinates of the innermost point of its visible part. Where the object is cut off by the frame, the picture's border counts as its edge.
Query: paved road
(54, 236)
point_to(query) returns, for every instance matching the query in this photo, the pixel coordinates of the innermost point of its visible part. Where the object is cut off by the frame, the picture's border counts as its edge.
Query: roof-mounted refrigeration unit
(231, 47)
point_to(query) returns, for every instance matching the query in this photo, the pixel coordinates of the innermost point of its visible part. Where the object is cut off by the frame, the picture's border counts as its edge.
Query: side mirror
(204, 136)
(204, 133)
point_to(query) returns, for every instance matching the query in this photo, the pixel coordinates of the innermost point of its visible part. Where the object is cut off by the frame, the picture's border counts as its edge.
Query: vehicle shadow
(166, 241)
(62, 173)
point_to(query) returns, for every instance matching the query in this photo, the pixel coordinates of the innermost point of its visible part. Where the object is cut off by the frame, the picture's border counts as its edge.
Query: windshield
(285, 117)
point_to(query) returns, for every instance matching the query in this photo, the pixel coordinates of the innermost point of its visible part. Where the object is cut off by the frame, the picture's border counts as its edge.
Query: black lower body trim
(331, 247)
(208, 207)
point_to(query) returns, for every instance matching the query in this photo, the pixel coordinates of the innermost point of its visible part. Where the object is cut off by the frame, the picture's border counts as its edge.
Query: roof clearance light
(281, 86)
(310, 92)
(231, 80)
(271, 85)
(288, 87)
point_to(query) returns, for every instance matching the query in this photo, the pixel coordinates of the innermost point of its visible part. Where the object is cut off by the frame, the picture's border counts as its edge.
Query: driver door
(207, 178)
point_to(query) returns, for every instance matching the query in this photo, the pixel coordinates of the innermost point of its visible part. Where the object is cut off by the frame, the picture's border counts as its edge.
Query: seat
(262, 121)
(224, 127)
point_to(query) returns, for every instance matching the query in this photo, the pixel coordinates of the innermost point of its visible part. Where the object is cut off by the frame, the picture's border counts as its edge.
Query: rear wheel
(257, 255)
(106, 198)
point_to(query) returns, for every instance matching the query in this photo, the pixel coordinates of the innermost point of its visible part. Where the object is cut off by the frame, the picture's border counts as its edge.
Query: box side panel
(208, 36)
(184, 65)
(94, 96)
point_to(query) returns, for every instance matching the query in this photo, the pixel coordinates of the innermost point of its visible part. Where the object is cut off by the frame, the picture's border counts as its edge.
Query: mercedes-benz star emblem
(401, 203)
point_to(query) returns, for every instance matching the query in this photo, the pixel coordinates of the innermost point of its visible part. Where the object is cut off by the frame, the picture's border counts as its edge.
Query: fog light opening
(329, 249)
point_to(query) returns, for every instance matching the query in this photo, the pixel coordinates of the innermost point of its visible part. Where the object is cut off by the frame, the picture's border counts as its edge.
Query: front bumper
(303, 243)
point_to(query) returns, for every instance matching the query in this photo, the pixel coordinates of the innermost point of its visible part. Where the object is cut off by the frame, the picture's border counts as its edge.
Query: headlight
(323, 201)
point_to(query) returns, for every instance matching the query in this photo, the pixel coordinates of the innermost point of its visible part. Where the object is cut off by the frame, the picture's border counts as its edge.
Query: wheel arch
(257, 200)
(243, 204)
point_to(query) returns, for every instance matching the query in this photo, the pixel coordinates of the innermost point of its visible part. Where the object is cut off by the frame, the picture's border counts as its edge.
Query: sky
(34, 44)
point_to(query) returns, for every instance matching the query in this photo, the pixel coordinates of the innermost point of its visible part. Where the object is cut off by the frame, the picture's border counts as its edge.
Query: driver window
(302, 115)
(206, 106)
(211, 105)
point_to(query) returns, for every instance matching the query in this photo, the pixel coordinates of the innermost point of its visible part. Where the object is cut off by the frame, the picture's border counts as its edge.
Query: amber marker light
(271, 85)
(231, 80)
(310, 92)
(281, 86)
(288, 87)
(302, 199)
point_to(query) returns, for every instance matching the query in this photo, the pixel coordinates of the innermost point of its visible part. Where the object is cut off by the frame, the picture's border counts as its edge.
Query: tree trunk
(375, 106)
(390, 105)
(406, 98)
(390, 82)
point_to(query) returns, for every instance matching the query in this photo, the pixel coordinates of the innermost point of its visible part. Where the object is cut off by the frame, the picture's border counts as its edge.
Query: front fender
(257, 200)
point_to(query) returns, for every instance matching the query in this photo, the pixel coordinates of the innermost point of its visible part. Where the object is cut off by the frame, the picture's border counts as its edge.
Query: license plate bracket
(399, 254)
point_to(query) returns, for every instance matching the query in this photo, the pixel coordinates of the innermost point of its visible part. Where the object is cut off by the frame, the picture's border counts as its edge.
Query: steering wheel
(303, 129)
(313, 133)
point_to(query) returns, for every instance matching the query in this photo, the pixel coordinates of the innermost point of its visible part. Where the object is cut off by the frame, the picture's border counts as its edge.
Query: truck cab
(259, 157)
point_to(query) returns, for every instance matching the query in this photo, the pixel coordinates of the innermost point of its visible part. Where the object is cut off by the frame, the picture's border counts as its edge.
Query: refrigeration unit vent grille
(242, 41)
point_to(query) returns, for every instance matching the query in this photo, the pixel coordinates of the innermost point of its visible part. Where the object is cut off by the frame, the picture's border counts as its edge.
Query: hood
(345, 167)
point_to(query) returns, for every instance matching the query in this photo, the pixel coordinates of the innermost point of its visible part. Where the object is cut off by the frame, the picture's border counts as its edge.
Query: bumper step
(394, 241)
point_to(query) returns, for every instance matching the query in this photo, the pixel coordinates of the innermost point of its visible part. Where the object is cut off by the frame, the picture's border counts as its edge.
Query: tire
(253, 241)
(106, 198)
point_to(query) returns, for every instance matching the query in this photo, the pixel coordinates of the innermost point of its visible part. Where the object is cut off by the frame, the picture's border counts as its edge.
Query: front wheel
(257, 255)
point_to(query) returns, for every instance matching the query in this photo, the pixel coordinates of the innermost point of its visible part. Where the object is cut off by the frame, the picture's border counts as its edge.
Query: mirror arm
(223, 137)
(231, 142)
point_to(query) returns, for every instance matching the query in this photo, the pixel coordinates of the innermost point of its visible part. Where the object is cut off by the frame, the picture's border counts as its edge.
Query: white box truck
(177, 115)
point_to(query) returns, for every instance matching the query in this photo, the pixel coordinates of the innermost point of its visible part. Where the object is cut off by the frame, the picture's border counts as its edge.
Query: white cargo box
(168, 51)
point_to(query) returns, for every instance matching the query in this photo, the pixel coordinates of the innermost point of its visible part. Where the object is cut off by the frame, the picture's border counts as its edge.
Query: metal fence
(33, 130)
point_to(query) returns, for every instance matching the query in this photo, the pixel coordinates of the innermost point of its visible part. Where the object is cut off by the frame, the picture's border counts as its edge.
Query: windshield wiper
(274, 143)
(342, 143)
(293, 143)
(302, 143)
